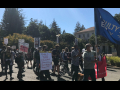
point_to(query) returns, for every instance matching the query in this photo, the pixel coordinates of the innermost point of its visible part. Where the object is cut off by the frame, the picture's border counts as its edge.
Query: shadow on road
(60, 79)
(111, 70)
(67, 77)
(113, 67)
(2, 74)
(29, 68)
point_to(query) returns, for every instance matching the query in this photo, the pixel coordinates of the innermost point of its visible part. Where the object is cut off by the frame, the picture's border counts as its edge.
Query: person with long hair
(7, 57)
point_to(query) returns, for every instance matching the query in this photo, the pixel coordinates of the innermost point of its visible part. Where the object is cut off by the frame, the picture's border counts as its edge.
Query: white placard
(23, 47)
(36, 42)
(20, 41)
(6, 41)
(45, 61)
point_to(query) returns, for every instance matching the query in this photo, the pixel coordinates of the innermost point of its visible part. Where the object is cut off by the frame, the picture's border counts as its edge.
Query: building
(87, 33)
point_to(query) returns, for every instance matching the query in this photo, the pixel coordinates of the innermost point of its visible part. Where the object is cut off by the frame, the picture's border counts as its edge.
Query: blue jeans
(87, 73)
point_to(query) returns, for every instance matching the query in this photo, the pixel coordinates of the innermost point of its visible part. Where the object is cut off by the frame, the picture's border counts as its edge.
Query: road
(113, 74)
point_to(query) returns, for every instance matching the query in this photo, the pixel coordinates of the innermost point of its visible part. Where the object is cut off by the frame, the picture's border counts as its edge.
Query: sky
(66, 18)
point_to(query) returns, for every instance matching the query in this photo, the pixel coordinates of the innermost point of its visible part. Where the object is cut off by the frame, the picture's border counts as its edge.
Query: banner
(45, 61)
(24, 47)
(106, 25)
(36, 42)
(102, 69)
(6, 41)
(20, 41)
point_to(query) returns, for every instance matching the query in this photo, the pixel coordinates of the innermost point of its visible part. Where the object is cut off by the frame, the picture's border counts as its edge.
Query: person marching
(46, 72)
(7, 57)
(29, 58)
(56, 56)
(89, 62)
(19, 61)
(66, 58)
(75, 54)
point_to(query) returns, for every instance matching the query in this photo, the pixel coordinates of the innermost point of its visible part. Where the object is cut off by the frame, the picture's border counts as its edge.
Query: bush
(13, 40)
(114, 60)
(49, 43)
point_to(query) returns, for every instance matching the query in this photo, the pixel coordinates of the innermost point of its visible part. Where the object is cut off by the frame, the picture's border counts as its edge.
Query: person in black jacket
(19, 62)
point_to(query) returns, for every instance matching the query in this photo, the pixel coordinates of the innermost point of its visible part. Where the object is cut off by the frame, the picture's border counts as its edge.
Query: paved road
(113, 74)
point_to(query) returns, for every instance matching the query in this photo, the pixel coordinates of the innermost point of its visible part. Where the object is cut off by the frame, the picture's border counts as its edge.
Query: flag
(101, 71)
(106, 25)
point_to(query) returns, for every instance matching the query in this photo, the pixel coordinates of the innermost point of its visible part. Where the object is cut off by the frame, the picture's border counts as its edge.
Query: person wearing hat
(75, 54)
(7, 57)
(37, 58)
(56, 56)
(46, 72)
(89, 62)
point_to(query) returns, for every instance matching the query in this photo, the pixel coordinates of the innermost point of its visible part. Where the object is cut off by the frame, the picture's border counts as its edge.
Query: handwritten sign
(6, 41)
(36, 42)
(45, 61)
(24, 47)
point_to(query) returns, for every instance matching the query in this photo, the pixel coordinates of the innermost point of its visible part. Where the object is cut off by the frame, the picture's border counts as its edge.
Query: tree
(54, 30)
(117, 17)
(44, 32)
(68, 38)
(13, 21)
(78, 28)
(63, 32)
(33, 28)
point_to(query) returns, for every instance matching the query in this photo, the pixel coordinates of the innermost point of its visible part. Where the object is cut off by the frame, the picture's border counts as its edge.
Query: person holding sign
(46, 72)
(7, 56)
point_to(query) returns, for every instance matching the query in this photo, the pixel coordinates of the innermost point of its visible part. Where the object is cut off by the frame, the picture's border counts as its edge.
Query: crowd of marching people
(86, 60)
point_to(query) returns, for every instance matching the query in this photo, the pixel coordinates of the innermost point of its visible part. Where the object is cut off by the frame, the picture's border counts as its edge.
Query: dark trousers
(47, 74)
(75, 72)
(87, 73)
(66, 64)
(81, 65)
(2, 63)
(6, 66)
(103, 79)
(20, 70)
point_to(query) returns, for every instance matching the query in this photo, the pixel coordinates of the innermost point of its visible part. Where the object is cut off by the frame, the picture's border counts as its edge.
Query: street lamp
(58, 38)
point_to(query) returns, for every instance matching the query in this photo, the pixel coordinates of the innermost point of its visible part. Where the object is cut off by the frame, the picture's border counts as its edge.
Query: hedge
(114, 60)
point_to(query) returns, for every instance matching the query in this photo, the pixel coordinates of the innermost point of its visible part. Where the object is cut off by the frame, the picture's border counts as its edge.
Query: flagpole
(95, 40)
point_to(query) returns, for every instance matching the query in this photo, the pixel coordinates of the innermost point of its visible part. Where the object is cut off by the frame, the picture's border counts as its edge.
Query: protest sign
(6, 41)
(45, 61)
(20, 41)
(23, 47)
(36, 42)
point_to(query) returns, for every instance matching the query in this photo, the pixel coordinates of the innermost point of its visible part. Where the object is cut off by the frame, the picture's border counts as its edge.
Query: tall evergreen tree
(33, 28)
(78, 28)
(13, 21)
(54, 30)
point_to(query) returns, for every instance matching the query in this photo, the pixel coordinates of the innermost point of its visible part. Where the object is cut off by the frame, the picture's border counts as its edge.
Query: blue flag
(106, 25)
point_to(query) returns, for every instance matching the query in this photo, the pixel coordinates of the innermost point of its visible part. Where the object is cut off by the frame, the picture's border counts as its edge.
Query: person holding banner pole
(89, 62)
